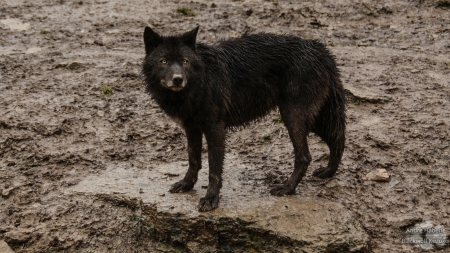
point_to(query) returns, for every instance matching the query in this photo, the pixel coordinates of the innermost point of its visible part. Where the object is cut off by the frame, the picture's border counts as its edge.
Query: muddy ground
(59, 123)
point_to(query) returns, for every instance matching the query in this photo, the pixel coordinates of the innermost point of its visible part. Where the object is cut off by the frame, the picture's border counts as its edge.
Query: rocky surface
(245, 220)
(73, 114)
(4, 247)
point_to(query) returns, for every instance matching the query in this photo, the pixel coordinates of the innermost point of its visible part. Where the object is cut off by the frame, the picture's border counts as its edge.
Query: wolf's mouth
(171, 86)
(176, 88)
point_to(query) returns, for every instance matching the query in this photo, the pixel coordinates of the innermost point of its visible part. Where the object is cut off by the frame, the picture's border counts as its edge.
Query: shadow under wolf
(209, 88)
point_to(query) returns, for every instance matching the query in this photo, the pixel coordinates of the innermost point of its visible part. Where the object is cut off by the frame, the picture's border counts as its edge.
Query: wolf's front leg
(194, 138)
(215, 138)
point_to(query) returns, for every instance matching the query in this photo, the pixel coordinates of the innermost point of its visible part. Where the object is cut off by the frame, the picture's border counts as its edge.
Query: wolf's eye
(163, 61)
(185, 61)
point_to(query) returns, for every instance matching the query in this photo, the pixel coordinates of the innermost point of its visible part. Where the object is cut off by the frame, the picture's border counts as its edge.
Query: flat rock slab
(366, 95)
(15, 24)
(248, 219)
(4, 247)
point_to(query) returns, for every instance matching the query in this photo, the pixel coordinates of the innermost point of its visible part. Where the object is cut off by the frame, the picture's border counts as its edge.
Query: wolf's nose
(177, 81)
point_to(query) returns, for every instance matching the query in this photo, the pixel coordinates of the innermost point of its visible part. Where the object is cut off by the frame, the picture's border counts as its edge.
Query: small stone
(415, 71)
(6, 192)
(61, 65)
(334, 183)
(403, 221)
(195, 246)
(4, 247)
(113, 31)
(101, 113)
(33, 50)
(17, 237)
(99, 42)
(75, 65)
(424, 225)
(159, 147)
(378, 175)
(364, 94)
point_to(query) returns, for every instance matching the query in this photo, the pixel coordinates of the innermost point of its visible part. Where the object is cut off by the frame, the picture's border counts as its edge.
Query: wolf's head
(171, 61)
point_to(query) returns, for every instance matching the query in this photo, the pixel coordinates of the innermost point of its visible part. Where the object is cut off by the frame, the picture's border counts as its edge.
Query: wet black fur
(235, 81)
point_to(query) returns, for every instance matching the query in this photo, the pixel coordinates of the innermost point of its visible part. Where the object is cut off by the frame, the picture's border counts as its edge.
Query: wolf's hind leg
(336, 144)
(297, 125)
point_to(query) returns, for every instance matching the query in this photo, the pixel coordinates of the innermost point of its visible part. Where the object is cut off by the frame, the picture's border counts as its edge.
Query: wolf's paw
(181, 186)
(323, 173)
(208, 203)
(281, 190)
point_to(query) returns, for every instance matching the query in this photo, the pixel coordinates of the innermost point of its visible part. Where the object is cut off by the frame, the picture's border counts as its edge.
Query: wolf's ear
(151, 40)
(190, 37)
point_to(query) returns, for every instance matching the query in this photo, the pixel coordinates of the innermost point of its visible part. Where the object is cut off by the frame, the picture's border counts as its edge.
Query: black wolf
(208, 88)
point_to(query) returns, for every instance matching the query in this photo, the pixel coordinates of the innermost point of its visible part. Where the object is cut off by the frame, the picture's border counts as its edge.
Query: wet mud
(73, 110)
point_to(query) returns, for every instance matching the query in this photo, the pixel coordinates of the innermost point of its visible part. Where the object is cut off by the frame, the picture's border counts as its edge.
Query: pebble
(334, 183)
(33, 50)
(378, 175)
(6, 192)
(17, 236)
(113, 31)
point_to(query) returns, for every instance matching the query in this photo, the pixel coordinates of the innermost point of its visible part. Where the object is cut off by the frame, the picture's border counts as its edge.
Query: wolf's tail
(330, 126)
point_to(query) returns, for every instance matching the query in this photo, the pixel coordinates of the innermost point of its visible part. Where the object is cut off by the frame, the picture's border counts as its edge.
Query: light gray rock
(366, 95)
(248, 218)
(377, 175)
(4, 247)
(17, 236)
(6, 192)
(14, 24)
(33, 50)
